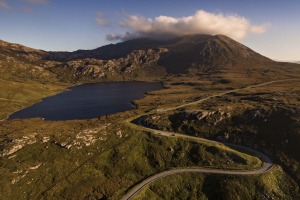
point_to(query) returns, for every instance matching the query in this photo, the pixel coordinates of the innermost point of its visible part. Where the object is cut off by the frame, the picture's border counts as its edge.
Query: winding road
(266, 161)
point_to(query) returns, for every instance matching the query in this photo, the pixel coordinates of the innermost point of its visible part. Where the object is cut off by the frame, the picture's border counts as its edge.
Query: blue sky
(270, 27)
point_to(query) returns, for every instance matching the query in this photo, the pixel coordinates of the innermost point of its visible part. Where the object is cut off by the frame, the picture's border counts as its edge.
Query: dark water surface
(88, 101)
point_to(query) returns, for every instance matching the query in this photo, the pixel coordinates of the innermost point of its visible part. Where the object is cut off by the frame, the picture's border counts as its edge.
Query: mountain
(143, 58)
(192, 51)
(206, 52)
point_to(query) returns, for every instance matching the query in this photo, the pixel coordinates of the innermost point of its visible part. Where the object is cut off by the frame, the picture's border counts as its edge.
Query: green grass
(106, 168)
(273, 185)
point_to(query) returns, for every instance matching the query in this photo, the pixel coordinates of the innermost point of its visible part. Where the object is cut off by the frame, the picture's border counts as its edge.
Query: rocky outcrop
(138, 63)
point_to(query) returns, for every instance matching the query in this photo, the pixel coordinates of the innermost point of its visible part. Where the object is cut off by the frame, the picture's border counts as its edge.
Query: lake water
(89, 101)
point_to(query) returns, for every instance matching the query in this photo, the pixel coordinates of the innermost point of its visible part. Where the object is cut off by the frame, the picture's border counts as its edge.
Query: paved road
(266, 161)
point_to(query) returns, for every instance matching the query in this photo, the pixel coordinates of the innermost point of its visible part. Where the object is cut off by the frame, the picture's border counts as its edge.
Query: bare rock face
(137, 63)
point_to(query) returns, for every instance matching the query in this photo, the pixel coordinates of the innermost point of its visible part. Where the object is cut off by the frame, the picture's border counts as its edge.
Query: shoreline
(69, 88)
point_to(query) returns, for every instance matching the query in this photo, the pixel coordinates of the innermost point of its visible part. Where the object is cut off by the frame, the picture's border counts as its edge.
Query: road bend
(266, 161)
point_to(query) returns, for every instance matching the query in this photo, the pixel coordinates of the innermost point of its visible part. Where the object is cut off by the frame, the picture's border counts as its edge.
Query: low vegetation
(265, 118)
(103, 158)
(273, 185)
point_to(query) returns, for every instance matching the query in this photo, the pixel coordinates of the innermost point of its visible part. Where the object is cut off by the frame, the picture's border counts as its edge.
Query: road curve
(266, 161)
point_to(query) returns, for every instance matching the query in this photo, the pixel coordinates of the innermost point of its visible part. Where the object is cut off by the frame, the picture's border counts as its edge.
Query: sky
(270, 27)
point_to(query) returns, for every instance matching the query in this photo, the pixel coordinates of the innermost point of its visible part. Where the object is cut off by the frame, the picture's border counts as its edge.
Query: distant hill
(202, 51)
(141, 59)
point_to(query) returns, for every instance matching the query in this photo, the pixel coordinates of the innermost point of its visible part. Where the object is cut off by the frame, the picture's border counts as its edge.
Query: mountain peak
(194, 53)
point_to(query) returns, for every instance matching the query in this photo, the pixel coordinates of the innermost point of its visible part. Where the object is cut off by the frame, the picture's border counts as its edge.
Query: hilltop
(143, 58)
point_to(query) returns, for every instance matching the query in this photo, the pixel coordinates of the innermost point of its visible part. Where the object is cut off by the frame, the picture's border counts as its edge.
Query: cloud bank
(3, 4)
(201, 22)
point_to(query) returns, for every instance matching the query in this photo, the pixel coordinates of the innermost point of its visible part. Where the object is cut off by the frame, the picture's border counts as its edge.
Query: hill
(205, 52)
(23, 80)
(21, 63)
(145, 59)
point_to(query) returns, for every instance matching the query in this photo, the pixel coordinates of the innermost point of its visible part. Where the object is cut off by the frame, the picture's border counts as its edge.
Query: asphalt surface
(266, 161)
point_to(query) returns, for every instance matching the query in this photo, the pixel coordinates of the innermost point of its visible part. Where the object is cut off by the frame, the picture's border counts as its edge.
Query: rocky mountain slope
(140, 58)
(203, 52)
(138, 64)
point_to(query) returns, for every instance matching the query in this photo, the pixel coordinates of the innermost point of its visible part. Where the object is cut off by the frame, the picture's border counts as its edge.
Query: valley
(228, 94)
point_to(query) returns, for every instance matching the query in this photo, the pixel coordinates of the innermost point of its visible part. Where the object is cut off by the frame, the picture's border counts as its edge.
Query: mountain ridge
(142, 58)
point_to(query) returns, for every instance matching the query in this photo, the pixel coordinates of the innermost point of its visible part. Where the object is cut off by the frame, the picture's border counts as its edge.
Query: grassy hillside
(265, 118)
(101, 157)
(104, 158)
(22, 79)
(274, 185)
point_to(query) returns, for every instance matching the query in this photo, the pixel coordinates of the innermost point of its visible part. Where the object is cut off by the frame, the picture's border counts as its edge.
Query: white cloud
(100, 19)
(3, 4)
(38, 1)
(201, 22)
(260, 29)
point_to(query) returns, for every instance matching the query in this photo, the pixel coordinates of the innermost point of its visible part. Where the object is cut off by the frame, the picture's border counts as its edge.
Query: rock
(128, 66)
